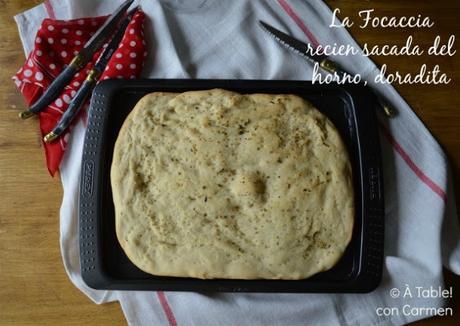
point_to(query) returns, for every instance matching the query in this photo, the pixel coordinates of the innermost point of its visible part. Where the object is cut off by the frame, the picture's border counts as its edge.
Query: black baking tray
(350, 107)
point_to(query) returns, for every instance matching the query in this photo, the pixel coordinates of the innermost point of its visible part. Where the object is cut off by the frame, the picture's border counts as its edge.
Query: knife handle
(77, 102)
(55, 88)
(331, 67)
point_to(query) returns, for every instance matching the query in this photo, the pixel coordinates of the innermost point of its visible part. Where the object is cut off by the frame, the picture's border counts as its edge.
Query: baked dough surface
(215, 184)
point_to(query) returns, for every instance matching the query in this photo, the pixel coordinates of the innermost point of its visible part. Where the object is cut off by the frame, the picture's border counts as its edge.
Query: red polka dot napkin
(56, 43)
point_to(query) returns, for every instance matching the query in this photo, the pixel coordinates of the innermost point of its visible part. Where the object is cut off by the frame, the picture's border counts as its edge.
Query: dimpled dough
(214, 184)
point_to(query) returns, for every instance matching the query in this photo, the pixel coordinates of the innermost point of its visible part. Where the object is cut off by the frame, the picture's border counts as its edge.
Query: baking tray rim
(94, 275)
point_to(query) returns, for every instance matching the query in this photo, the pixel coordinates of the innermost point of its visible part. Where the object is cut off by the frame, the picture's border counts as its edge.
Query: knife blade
(98, 39)
(303, 49)
(78, 62)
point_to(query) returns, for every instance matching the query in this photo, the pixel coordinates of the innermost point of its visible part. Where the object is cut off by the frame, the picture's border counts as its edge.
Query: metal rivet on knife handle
(328, 65)
(388, 110)
(26, 114)
(78, 62)
(50, 137)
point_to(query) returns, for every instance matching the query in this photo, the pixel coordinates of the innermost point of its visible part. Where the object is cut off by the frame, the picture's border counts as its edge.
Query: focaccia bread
(215, 184)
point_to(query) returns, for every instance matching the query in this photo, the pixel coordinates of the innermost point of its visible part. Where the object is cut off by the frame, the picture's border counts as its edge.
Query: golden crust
(215, 184)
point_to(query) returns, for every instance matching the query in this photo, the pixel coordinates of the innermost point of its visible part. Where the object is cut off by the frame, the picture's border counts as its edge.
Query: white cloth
(222, 39)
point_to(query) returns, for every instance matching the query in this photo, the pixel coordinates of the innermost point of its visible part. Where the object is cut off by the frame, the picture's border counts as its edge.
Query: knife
(90, 81)
(78, 62)
(324, 62)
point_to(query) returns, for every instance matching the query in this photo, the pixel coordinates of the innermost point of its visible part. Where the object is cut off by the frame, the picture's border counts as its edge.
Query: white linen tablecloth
(222, 39)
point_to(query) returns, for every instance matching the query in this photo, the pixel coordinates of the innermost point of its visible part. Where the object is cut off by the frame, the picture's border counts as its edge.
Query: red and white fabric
(222, 39)
(55, 44)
